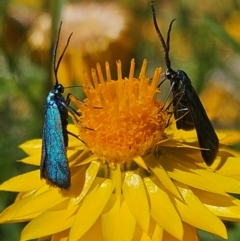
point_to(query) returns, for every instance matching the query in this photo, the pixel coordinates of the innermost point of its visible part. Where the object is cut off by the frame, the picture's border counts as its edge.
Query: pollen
(121, 119)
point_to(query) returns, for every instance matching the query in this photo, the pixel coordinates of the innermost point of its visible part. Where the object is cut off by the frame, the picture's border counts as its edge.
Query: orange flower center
(121, 119)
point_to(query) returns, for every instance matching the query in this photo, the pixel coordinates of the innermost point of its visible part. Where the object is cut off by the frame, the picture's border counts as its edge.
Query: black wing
(207, 137)
(182, 114)
(183, 117)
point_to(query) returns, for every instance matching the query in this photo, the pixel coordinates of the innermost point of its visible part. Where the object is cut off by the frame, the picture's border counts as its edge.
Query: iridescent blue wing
(54, 164)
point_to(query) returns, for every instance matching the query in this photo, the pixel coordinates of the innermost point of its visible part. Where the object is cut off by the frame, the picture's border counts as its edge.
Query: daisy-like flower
(132, 179)
(231, 27)
(215, 107)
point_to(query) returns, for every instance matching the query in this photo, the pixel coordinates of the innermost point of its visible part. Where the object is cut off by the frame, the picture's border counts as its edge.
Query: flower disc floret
(121, 119)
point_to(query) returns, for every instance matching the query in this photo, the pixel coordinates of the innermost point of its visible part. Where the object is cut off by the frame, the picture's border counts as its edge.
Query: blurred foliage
(205, 42)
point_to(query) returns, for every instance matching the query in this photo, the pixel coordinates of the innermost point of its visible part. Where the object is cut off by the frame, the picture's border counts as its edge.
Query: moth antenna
(56, 67)
(165, 45)
(168, 38)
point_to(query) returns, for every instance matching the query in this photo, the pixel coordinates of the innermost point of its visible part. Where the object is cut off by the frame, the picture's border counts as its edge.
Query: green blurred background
(205, 42)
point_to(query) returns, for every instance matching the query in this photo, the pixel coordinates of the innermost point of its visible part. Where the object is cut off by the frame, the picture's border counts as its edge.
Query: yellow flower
(132, 179)
(215, 105)
(97, 29)
(231, 25)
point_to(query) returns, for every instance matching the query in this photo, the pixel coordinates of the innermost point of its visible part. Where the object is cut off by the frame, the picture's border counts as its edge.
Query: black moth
(188, 109)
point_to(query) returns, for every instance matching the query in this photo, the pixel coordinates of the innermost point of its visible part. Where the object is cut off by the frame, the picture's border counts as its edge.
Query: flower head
(220, 90)
(125, 115)
(132, 179)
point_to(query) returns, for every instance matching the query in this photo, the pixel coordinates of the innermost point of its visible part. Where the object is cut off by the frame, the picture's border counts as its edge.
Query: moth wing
(182, 115)
(207, 137)
(54, 164)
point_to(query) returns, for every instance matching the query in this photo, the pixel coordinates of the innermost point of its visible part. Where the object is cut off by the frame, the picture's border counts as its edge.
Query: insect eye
(60, 88)
(170, 74)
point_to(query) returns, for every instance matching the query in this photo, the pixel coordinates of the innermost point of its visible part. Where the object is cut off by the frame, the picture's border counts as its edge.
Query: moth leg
(178, 96)
(73, 111)
(159, 85)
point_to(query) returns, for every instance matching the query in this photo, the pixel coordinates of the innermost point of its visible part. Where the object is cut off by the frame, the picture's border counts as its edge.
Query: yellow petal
(145, 237)
(82, 156)
(87, 160)
(71, 156)
(91, 207)
(197, 215)
(187, 136)
(187, 176)
(36, 159)
(61, 236)
(163, 211)
(230, 137)
(31, 205)
(183, 156)
(32, 147)
(40, 203)
(176, 145)
(94, 233)
(73, 129)
(231, 152)
(8, 215)
(23, 183)
(32, 160)
(227, 184)
(157, 233)
(88, 180)
(78, 178)
(136, 199)
(116, 176)
(225, 207)
(111, 218)
(156, 167)
(153, 229)
(118, 224)
(190, 234)
(139, 160)
(49, 223)
(229, 168)
(128, 221)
